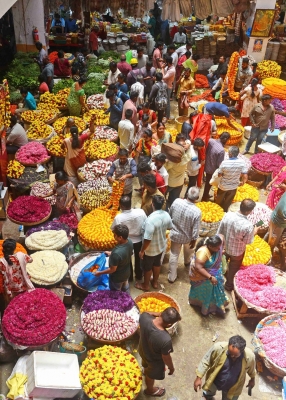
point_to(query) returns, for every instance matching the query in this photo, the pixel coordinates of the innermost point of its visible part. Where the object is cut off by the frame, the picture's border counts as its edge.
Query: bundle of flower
(261, 212)
(60, 123)
(272, 337)
(222, 126)
(231, 75)
(69, 219)
(97, 197)
(108, 299)
(280, 122)
(275, 87)
(48, 267)
(98, 382)
(50, 225)
(246, 191)
(257, 252)
(47, 240)
(94, 230)
(32, 153)
(151, 304)
(204, 96)
(256, 285)
(267, 163)
(211, 212)
(28, 209)
(49, 98)
(95, 101)
(89, 185)
(100, 149)
(54, 147)
(49, 107)
(173, 132)
(201, 81)
(39, 130)
(95, 169)
(117, 191)
(108, 325)
(62, 96)
(100, 117)
(268, 69)
(277, 104)
(34, 318)
(41, 189)
(37, 115)
(15, 169)
(104, 132)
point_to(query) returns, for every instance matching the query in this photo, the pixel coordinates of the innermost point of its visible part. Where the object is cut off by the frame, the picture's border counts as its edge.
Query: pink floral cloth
(276, 192)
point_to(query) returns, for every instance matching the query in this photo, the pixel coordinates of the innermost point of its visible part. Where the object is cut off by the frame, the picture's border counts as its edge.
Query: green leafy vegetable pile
(62, 84)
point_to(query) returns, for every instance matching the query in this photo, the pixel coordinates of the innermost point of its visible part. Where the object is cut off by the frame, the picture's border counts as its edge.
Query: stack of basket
(199, 45)
(212, 49)
(275, 51)
(221, 45)
(282, 52)
(206, 42)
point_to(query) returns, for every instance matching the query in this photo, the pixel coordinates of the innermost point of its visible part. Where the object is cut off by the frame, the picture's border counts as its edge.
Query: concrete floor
(193, 338)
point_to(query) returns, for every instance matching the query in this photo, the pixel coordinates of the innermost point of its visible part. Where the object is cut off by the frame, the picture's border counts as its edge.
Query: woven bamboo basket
(75, 261)
(280, 276)
(260, 172)
(33, 165)
(43, 140)
(167, 299)
(110, 342)
(207, 227)
(281, 136)
(31, 223)
(270, 320)
(255, 184)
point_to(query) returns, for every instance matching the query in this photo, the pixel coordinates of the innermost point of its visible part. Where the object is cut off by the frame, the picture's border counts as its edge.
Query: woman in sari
(143, 147)
(192, 65)
(75, 99)
(179, 67)
(161, 135)
(278, 187)
(75, 156)
(206, 277)
(67, 197)
(13, 271)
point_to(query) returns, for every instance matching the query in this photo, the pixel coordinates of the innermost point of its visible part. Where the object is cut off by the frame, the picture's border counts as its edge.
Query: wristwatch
(210, 278)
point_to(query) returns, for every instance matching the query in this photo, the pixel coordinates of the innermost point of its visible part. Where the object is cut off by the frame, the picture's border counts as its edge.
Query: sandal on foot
(159, 392)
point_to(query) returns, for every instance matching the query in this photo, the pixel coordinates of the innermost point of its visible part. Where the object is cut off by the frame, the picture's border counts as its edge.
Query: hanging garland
(231, 75)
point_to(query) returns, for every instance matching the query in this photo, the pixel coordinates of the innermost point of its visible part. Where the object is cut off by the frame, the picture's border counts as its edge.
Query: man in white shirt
(158, 165)
(180, 37)
(182, 50)
(141, 58)
(113, 73)
(17, 136)
(173, 54)
(134, 219)
(139, 88)
(126, 131)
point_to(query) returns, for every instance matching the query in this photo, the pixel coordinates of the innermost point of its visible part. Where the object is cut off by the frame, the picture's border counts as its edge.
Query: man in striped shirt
(230, 171)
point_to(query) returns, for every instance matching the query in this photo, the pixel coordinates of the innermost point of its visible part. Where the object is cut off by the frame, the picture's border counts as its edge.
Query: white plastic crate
(52, 375)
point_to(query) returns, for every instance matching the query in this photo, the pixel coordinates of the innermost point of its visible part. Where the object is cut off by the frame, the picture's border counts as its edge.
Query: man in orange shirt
(157, 55)
(93, 41)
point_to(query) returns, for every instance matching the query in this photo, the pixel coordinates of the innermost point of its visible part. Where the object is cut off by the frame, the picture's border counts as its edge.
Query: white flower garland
(47, 240)
(48, 267)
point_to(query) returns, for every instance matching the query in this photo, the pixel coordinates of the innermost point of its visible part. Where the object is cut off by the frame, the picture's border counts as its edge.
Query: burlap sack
(173, 152)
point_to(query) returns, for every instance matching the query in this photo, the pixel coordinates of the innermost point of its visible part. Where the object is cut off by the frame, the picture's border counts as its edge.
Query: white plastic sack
(215, 179)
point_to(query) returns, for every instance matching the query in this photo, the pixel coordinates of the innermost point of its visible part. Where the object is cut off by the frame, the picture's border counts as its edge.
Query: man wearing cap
(132, 75)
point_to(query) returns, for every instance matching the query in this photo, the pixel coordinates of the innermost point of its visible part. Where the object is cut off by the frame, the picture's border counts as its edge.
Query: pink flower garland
(34, 318)
(32, 153)
(266, 162)
(256, 285)
(28, 209)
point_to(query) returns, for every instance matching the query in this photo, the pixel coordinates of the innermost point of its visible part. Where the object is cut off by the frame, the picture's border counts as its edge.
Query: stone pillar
(28, 14)
(253, 41)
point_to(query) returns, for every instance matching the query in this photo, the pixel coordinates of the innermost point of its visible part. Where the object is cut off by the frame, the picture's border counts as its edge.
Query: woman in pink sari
(278, 188)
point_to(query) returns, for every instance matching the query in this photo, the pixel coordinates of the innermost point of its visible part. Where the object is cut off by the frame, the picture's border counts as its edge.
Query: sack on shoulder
(173, 152)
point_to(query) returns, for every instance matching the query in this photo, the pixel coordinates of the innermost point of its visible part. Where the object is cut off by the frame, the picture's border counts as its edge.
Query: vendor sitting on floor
(16, 136)
(29, 102)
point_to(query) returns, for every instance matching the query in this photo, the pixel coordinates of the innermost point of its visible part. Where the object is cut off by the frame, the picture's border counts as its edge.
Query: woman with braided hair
(206, 276)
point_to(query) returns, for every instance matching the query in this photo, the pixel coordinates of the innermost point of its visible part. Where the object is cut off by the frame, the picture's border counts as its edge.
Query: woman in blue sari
(206, 278)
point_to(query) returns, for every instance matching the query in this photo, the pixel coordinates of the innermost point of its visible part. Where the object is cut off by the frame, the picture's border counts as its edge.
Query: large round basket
(180, 121)
(260, 172)
(46, 139)
(32, 348)
(33, 165)
(281, 136)
(31, 223)
(111, 342)
(167, 299)
(255, 184)
(208, 227)
(280, 281)
(74, 273)
(270, 320)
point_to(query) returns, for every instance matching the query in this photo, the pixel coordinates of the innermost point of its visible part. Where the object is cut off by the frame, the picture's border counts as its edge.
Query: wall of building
(27, 14)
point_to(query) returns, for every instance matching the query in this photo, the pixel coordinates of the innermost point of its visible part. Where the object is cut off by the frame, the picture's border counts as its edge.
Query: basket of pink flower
(29, 210)
(32, 153)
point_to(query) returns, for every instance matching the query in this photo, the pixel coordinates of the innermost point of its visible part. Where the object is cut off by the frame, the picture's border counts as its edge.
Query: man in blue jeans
(260, 116)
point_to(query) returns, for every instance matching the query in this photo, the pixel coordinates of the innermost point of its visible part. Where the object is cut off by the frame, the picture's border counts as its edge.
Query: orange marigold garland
(201, 81)
(231, 75)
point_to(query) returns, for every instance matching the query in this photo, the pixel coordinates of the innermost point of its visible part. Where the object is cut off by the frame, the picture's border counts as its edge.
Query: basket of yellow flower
(158, 302)
(257, 252)
(212, 214)
(110, 373)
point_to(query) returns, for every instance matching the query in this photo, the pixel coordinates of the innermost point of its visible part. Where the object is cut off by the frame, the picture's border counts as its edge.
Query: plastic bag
(17, 380)
(86, 279)
(215, 179)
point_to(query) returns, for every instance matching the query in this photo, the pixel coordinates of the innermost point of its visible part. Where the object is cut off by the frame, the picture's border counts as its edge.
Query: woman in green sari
(206, 278)
(192, 65)
(76, 98)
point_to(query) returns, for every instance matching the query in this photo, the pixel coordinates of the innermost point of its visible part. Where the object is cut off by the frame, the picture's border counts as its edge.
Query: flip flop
(153, 286)
(139, 287)
(159, 393)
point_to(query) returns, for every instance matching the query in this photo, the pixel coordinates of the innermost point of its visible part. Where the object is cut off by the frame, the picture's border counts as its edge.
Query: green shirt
(152, 21)
(279, 214)
(128, 56)
(120, 257)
